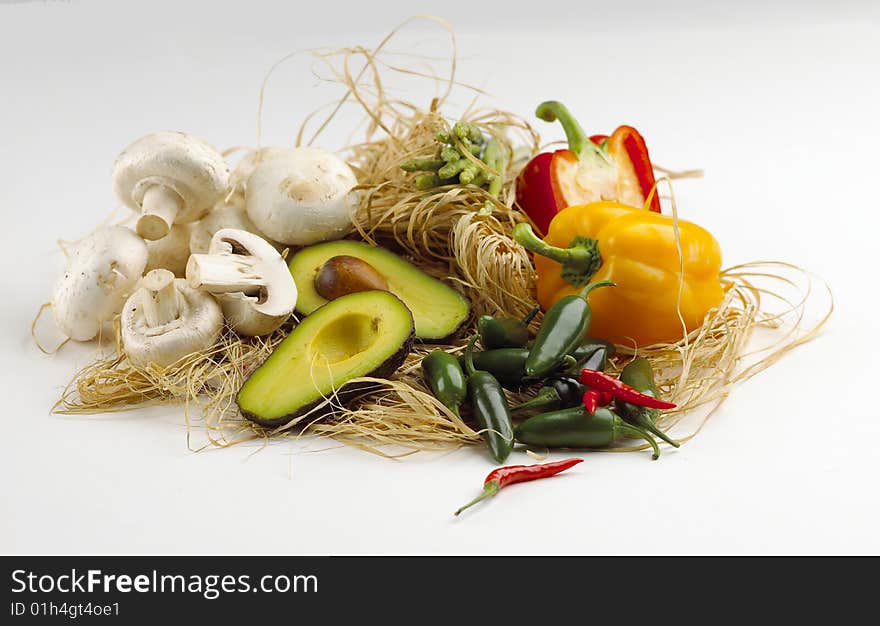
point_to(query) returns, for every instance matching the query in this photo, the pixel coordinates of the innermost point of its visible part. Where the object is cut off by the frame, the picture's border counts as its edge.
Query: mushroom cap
(224, 216)
(264, 313)
(197, 328)
(246, 166)
(171, 252)
(101, 272)
(300, 196)
(190, 167)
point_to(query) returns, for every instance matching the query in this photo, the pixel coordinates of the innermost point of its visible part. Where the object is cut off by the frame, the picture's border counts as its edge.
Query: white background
(778, 105)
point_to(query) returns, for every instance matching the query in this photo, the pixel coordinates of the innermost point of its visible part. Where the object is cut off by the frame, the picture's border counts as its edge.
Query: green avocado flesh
(437, 309)
(368, 333)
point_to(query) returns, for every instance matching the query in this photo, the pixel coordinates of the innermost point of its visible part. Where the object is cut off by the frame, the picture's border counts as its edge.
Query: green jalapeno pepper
(576, 428)
(508, 366)
(445, 378)
(588, 346)
(489, 405)
(588, 352)
(597, 361)
(593, 354)
(560, 393)
(639, 375)
(505, 332)
(564, 325)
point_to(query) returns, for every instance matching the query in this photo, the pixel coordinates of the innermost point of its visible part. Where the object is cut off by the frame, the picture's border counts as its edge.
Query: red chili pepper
(511, 474)
(615, 167)
(620, 390)
(593, 399)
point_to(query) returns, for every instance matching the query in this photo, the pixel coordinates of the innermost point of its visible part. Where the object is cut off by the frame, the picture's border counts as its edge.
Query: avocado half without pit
(369, 333)
(437, 309)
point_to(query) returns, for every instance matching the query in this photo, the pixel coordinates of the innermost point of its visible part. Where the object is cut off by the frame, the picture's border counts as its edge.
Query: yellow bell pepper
(636, 249)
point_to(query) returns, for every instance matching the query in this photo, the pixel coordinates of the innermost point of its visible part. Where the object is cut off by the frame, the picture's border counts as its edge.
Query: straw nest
(451, 232)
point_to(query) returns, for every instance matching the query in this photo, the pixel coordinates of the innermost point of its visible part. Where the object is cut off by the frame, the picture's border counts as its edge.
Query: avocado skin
(345, 394)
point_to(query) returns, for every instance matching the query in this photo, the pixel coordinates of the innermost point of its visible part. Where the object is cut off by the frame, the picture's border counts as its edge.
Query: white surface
(779, 106)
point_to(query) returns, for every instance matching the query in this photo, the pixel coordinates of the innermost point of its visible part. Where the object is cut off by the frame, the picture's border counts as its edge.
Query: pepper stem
(646, 423)
(638, 433)
(469, 368)
(547, 397)
(489, 489)
(567, 362)
(578, 141)
(579, 261)
(602, 283)
(531, 315)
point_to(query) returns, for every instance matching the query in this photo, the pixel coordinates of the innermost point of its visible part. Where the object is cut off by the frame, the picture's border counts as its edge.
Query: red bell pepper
(600, 167)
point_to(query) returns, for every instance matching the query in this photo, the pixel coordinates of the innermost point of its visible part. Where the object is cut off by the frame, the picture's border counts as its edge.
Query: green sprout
(452, 165)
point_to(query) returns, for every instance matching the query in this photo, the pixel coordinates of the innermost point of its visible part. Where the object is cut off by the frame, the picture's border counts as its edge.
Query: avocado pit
(344, 274)
(341, 267)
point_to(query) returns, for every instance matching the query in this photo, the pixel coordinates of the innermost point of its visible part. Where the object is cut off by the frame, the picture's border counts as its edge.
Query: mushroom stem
(160, 301)
(158, 210)
(225, 273)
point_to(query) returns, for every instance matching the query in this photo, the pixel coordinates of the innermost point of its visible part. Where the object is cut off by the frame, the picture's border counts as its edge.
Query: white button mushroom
(226, 216)
(250, 279)
(301, 196)
(245, 167)
(165, 321)
(101, 272)
(171, 252)
(169, 177)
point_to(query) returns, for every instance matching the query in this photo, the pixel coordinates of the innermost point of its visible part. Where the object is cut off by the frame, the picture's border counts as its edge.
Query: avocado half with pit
(369, 333)
(437, 309)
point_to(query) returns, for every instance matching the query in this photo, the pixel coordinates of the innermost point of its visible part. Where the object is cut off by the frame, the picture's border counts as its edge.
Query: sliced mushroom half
(249, 278)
